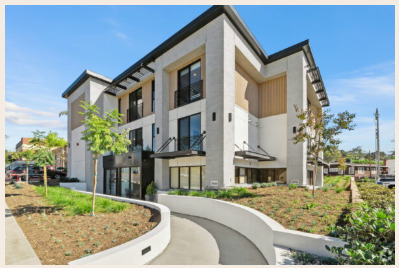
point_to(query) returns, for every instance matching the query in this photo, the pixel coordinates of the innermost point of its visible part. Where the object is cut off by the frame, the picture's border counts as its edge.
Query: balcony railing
(134, 113)
(188, 94)
(190, 143)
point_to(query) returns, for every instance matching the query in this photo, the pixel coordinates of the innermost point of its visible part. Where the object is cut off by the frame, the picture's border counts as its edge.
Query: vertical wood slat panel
(273, 97)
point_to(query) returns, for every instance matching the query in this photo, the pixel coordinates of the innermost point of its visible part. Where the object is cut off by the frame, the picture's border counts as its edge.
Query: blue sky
(48, 47)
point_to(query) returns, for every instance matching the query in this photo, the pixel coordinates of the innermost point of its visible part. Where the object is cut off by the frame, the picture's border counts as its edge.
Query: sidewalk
(18, 249)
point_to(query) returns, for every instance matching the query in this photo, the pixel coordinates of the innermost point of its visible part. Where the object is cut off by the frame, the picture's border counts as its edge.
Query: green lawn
(75, 203)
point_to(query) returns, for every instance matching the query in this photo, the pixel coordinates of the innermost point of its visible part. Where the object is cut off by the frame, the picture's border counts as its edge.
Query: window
(153, 137)
(135, 110)
(351, 170)
(189, 84)
(360, 170)
(373, 170)
(136, 139)
(333, 170)
(153, 95)
(189, 133)
(189, 178)
(119, 106)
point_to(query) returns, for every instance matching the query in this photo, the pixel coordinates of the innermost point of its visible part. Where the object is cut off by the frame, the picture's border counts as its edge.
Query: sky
(48, 47)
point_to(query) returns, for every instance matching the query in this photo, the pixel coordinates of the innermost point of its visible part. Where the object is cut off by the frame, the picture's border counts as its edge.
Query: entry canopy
(255, 156)
(177, 154)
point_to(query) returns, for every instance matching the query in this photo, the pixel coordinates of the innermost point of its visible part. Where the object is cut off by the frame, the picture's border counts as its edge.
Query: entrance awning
(319, 161)
(177, 154)
(255, 156)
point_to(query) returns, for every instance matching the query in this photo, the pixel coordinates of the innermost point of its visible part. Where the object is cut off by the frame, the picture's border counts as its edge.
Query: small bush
(209, 194)
(292, 186)
(255, 185)
(151, 189)
(194, 193)
(224, 194)
(339, 190)
(67, 179)
(18, 186)
(377, 196)
(268, 184)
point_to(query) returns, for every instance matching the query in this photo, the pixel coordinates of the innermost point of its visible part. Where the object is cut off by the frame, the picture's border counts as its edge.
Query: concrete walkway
(18, 249)
(232, 248)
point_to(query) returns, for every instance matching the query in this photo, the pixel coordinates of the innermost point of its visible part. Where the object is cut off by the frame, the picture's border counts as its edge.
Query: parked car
(56, 174)
(387, 181)
(19, 171)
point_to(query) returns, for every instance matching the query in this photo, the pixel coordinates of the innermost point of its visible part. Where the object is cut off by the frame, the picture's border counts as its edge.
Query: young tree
(102, 136)
(43, 155)
(320, 130)
(28, 155)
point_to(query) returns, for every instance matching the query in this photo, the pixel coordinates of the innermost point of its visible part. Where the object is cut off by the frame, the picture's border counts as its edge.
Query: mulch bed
(294, 210)
(58, 239)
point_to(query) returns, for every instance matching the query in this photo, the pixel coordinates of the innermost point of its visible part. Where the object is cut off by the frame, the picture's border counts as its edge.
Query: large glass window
(189, 132)
(136, 139)
(189, 84)
(184, 178)
(195, 178)
(135, 190)
(135, 105)
(174, 177)
(125, 182)
(190, 74)
(110, 181)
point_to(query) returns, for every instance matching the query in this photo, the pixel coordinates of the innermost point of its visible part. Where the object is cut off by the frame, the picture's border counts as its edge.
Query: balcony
(190, 143)
(134, 113)
(189, 94)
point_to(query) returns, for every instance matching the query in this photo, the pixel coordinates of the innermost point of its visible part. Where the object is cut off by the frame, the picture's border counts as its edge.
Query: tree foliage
(102, 136)
(28, 155)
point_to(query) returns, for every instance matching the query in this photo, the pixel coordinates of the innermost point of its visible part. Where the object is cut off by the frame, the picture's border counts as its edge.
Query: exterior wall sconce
(213, 116)
(294, 130)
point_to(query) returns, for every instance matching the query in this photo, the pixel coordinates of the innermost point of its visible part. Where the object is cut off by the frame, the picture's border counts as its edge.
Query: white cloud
(121, 35)
(18, 115)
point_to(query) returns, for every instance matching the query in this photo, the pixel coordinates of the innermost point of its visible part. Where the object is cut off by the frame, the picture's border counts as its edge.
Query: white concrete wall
(76, 165)
(246, 129)
(80, 186)
(130, 253)
(273, 139)
(265, 233)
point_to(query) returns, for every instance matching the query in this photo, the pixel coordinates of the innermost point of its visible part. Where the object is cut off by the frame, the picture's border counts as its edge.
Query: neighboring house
(354, 169)
(60, 156)
(390, 163)
(23, 145)
(211, 106)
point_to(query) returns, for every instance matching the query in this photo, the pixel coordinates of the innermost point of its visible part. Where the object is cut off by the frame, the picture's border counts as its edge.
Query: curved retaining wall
(131, 253)
(264, 232)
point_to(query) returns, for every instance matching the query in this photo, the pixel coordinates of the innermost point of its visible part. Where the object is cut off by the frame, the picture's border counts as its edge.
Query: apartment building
(23, 145)
(356, 170)
(206, 109)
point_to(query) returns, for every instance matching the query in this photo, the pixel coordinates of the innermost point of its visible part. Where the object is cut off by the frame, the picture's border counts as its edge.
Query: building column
(296, 94)
(161, 123)
(220, 100)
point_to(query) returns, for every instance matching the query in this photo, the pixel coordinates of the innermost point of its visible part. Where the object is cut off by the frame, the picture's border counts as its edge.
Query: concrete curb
(355, 194)
(138, 251)
(265, 233)
(18, 250)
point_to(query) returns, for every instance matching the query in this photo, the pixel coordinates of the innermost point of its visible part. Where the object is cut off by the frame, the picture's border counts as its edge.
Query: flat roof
(199, 22)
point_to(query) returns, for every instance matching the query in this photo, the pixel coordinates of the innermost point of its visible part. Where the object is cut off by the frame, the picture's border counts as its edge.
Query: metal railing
(191, 143)
(189, 94)
(135, 112)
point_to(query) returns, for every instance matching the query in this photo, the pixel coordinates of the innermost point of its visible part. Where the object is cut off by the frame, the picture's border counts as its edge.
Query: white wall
(78, 160)
(273, 139)
(246, 129)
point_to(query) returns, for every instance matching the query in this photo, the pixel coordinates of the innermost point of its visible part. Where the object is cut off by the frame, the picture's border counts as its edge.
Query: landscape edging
(264, 232)
(131, 253)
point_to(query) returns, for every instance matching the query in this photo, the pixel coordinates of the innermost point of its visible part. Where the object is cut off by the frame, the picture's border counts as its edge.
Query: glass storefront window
(125, 182)
(195, 178)
(203, 177)
(174, 177)
(110, 181)
(135, 189)
(184, 178)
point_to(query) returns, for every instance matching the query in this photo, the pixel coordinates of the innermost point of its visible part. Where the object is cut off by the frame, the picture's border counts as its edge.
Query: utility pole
(377, 136)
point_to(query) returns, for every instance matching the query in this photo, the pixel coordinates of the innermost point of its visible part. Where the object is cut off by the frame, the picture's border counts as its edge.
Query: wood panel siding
(147, 98)
(76, 117)
(247, 91)
(173, 80)
(273, 97)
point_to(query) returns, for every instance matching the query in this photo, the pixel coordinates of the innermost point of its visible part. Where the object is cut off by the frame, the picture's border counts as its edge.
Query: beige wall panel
(273, 97)
(76, 118)
(147, 98)
(247, 91)
(173, 80)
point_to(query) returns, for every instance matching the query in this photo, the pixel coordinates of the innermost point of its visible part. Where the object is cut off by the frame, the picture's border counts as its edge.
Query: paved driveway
(198, 241)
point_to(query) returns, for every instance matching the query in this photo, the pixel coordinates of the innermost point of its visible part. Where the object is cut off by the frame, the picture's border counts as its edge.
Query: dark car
(57, 173)
(20, 171)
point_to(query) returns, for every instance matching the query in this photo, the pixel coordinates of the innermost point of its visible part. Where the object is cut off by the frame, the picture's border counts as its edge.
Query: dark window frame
(189, 177)
(189, 128)
(131, 146)
(153, 137)
(189, 72)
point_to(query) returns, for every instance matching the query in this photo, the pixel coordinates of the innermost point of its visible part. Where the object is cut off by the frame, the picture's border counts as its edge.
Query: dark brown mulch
(59, 239)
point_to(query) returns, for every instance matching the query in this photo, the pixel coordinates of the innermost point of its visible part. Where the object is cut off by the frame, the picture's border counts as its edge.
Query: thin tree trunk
(45, 178)
(27, 174)
(94, 185)
(314, 175)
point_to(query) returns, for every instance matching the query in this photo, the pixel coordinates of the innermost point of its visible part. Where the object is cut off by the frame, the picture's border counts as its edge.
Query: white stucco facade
(228, 127)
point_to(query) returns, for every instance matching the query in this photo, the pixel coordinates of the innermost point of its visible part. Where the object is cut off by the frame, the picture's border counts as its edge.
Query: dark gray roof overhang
(81, 79)
(255, 156)
(177, 154)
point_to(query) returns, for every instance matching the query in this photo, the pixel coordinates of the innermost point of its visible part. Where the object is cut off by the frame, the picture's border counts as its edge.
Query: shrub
(370, 234)
(268, 184)
(241, 192)
(151, 189)
(255, 185)
(18, 186)
(209, 194)
(377, 196)
(67, 179)
(194, 193)
(326, 187)
(224, 194)
(304, 258)
(292, 186)
(339, 190)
